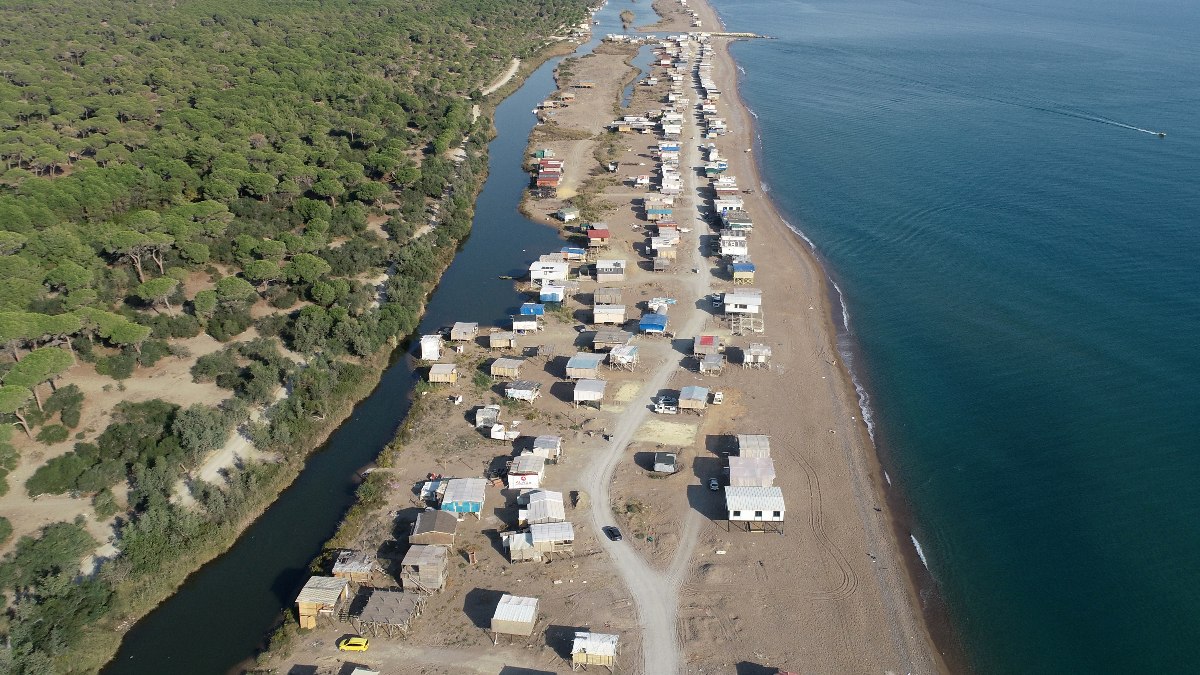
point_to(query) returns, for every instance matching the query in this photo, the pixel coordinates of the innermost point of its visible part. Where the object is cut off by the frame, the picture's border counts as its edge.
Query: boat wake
(741, 70)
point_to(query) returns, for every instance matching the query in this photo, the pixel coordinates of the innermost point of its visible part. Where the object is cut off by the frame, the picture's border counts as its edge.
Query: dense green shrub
(53, 433)
(118, 366)
(67, 401)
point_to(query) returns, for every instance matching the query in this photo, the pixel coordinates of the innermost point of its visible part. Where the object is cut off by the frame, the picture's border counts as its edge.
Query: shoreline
(931, 617)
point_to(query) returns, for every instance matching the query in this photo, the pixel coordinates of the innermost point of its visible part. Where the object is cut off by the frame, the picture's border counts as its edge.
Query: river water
(219, 617)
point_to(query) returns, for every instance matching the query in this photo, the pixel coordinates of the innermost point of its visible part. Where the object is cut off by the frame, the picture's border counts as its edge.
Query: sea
(1018, 254)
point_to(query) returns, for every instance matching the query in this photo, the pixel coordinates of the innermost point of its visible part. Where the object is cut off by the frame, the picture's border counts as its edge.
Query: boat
(507, 277)
(1162, 134)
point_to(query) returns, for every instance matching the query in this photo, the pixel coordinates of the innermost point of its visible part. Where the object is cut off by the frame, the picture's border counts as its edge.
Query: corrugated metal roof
(552, 532)
(322, 590)
(464, 490)
(354, 561)
(523, 385)
(694, 393)
(751, 471)
(420, 555)
(739, 498)
(435, 521)
(532, 309)
(754, 445)
(442, 368)
(547, 442)
(516, 609)
(528, 464)
(585, 360)
(595, 643)
(507, 363)
(589, 390)
(516, 541)
(545, 505)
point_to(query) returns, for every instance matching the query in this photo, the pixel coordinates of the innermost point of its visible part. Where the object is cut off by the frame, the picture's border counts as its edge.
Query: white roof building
(542, 506)
(754, 445)
(754, 504)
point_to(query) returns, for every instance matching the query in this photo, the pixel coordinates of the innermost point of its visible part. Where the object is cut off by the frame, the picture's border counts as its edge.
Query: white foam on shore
(887, 477)
(741, 70)
(920, 551)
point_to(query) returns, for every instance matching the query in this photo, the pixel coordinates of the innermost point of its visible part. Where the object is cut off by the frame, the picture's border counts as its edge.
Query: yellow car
(353, 644)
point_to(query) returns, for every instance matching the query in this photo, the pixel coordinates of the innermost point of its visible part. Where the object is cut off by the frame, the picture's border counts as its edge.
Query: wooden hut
(388, 613)
(502, 339)
(551, 538)
(549, 447)
(607, 296)
(433, 527)
(584, 365)
(693, 398)
(320, 598)
(506, 367)
(625, 357)
(443, 373)
(712, 364)
(743, 273)
(589, 392)
(612, 314)
(356, 566)
(523, 390)
(598, 237)
(594, 649)
(431, 347)
(514, 615)
(519, 545)
(424, 568)
(703, 345)
(757, 355)
(607, 338)
(464, 331)
(662, 265)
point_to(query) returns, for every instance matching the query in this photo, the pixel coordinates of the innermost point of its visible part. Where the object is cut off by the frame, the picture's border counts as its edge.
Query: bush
(5, 530)
(212, 366)
(152, 351)
(68, 403)
(53, 433)
(228, 322)
(118, 366)
(285, 300)
(272, 325)
(104, 504)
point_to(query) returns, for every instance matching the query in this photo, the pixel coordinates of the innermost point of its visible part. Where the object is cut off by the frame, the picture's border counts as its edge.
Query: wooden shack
(712, 364)
(551, 538)
(757, 355)
(624, 357)
(607, 338)
(519, 545)
(514, 615)
(506, 367)
(611, 314)
(502, 339)
(387, 613)
(319, 599)
(433, 527)
(523, 390)
(693, 398)
(589, 393)
(594, 649)
(356, 566)
(584, 365)
(610, 270)
(464, 331)
(607, 296)
(549, 447)
(662, 265)
(703, 345)
(424, 568)
(443, 373)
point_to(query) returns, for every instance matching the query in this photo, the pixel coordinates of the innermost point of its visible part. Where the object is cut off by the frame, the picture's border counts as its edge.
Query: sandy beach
(684, 591)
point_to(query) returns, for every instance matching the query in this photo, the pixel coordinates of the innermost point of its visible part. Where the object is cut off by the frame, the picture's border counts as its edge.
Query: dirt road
(656, 592)
(504, 77)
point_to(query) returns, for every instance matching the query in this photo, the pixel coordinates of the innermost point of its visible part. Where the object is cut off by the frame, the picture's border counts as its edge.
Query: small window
(737, 513)
(758, 514)
(777, 514)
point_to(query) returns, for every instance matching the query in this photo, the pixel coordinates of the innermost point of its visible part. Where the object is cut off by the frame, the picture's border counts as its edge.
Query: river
(219, 616)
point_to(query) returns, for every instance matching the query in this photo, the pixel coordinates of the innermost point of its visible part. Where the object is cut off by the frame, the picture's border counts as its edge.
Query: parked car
(612, 533)
(714, 484)
(353, 644)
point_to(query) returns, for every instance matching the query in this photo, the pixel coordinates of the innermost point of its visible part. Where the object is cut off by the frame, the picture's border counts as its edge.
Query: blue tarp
(533, 309)
(551, 295)
(743, 267)
(572, 251)
(653, 323)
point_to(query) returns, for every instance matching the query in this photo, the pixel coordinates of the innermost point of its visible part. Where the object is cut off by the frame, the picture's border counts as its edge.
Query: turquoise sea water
(1021, 273)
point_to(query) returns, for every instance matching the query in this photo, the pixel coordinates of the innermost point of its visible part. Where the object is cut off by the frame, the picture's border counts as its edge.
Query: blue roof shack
(464, 495)
(653, 323)
(533, 309)
(573, 253)
(552, 294)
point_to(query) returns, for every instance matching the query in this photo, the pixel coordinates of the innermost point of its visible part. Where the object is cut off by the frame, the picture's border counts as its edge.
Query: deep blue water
(1024, 295)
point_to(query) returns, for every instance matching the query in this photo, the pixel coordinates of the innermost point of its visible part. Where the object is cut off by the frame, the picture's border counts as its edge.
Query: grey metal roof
(739, 498)
(694, 393)
(545, 505)
(354, 561)
(516, 609)
(595, 643)
(589, 390)
(585, 360)
(547, 442)
(391, 607)
(552, 532)
(442, 368)
(528, 464)
(420, 555)
(435, 521)
(754, 445)
(322, 590)
(757, 471)
(507, 363)
(523, 385)
(464, 490)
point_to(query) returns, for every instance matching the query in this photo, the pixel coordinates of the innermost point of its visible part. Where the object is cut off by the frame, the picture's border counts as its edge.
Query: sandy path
(504, 77)
(656, 592)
